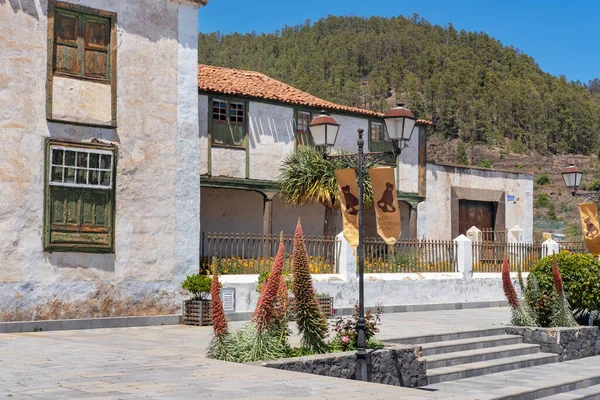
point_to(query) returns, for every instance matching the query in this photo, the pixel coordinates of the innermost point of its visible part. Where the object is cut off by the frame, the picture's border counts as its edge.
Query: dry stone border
(568, 343)
(396, 365)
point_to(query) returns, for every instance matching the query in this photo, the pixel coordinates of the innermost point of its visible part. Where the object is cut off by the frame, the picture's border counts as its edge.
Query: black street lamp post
(400, 123)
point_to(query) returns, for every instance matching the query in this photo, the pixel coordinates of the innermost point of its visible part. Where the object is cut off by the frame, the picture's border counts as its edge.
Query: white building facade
(250, 122)
(99, 157)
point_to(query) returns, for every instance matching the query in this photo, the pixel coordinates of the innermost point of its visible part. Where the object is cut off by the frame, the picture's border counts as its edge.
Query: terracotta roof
(254, 84)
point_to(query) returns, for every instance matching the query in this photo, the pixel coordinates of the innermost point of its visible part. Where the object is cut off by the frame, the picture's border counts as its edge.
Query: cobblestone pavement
(169, 362)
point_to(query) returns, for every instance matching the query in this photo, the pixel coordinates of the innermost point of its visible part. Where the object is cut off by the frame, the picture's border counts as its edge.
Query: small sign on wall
(510, 197)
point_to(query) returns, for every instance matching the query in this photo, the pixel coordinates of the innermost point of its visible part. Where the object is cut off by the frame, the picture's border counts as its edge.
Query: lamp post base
(362, 366)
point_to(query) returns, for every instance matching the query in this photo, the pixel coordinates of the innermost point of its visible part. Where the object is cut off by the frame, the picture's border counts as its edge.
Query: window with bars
(82, 42)
(303, 136)
(228, 123)
(80, 197)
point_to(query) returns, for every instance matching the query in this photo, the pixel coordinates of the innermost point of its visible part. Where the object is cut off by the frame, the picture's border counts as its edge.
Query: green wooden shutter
(66, 42)
(96, 50)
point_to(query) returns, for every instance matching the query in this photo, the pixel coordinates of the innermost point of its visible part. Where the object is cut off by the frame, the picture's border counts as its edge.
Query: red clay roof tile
(254, 84)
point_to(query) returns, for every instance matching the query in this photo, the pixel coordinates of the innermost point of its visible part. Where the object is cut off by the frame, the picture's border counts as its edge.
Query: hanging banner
(589, 222)
(386, 204)
(348, 189)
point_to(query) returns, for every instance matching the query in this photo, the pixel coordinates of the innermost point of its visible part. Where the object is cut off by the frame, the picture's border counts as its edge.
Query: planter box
(197, 312)
(325, 305)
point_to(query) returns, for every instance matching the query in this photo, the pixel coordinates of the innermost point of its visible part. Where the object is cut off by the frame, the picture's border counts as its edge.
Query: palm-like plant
(305, 177)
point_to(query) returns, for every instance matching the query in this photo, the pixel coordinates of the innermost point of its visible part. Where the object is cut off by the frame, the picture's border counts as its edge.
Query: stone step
(589, 392)
(451, 346)
(445, 374)
(477, 355)
(441, 337)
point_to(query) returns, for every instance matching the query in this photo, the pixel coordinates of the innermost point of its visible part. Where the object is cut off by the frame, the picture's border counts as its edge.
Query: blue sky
(562, 36)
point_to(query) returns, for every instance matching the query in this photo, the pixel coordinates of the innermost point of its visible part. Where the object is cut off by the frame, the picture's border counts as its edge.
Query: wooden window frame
(297, 133)
(80, 228)
(228, 121)
(55, 6)
(384, 145)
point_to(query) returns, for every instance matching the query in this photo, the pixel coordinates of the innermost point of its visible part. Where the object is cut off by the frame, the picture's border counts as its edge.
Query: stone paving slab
(167, 362)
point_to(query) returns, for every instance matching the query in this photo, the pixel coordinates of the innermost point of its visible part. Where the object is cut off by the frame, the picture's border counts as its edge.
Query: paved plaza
(168, 362)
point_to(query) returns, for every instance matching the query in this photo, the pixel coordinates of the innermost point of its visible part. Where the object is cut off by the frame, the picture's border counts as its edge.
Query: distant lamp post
(572, 178)
(400, 123)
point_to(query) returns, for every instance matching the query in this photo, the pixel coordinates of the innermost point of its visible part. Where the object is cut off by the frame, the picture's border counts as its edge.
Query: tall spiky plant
(218, 347)
(310, 321)
(267, 300)
(521, 314)
(305, 177)
(562, 315)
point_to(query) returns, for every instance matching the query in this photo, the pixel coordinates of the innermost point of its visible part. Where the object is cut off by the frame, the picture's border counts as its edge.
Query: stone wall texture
(568, 343)
(396, 365)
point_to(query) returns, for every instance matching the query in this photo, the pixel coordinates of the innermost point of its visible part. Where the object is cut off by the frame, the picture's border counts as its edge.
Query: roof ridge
(217, 79)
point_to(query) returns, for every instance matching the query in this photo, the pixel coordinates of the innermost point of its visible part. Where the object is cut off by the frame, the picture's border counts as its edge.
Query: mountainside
(469, 84)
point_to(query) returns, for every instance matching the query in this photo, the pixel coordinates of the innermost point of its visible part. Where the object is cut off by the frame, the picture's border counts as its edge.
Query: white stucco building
(99, 156)
(250, 122)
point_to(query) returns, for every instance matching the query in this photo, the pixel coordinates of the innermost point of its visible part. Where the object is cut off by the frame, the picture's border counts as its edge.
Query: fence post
(345, 258)
(515, 234)
(464, 256)
(549, 247)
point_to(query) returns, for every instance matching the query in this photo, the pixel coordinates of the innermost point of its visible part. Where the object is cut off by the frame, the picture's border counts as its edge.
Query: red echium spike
(558, 282)
(218, 312)
(507, 285)
(268, 297)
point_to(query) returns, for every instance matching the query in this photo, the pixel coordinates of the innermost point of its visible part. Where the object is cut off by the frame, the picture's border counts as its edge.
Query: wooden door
(481, 214)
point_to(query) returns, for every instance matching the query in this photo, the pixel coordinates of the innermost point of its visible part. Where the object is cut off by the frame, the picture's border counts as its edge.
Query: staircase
(459, 355)
(489, 364)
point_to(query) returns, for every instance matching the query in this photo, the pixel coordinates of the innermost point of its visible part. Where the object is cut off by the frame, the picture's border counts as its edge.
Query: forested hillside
(470, 85)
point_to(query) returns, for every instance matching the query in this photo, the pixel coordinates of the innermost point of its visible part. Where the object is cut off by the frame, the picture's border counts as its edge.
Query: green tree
(461, 154)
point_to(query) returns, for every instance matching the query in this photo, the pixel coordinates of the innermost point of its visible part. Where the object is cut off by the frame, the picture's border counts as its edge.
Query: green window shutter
(78, 218)
(96, 52)
(228, 122)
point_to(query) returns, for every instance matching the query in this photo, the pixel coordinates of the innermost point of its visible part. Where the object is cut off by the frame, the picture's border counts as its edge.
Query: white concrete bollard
(549, 247)
(464, 256)
(346, 258)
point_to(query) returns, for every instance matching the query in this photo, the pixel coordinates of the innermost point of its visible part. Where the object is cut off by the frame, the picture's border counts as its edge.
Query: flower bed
(395, 365)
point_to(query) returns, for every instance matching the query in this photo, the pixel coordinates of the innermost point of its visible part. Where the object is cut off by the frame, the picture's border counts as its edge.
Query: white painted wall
(157, 195)
(435, 213)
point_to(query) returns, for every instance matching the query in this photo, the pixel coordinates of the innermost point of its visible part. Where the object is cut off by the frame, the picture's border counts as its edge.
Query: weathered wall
(435, 217)
(81, 101)
(157, 207)
(408, 163)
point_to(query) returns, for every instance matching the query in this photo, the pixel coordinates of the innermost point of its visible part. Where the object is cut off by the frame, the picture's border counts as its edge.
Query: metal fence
(573, 247)
(488, 256)
(248, 253)
(409, 256)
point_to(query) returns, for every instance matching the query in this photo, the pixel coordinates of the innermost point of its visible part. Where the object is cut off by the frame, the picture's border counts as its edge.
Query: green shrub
(581, 278)
(542, 180)
(264, 275)
(198, 285)
(542, 201)
(485, 163)
(594, 185)
(461, 154)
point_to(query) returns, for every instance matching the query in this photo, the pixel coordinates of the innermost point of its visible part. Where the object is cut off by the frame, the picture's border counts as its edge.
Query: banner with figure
(386, 204)
(589, 222)
(348, 188)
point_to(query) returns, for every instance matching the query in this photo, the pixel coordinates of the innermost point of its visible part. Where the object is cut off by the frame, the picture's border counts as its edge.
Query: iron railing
(409, 256)
(248, 253)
